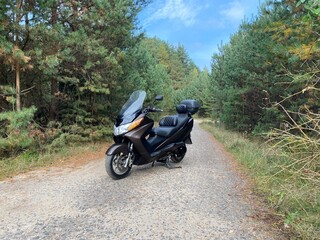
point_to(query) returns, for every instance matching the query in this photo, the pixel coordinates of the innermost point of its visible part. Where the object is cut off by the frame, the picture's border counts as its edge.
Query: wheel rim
(118, 164)
(179, 157)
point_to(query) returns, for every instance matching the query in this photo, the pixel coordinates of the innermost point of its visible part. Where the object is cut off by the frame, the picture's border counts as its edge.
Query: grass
(296, 200)
(31, 160)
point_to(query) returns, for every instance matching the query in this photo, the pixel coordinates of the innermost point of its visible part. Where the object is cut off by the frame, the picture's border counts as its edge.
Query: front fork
(129, 159)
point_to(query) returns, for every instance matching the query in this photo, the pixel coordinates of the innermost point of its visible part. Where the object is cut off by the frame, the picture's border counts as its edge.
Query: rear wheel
(116, 165)
(179, 154)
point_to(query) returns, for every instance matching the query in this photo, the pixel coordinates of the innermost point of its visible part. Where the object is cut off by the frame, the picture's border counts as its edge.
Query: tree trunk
(54, 82)
(18, 90)
(17, 61)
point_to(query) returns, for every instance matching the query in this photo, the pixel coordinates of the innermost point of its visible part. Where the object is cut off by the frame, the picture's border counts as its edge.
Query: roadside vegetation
(266, 84)
(71, 156)
(287, 180)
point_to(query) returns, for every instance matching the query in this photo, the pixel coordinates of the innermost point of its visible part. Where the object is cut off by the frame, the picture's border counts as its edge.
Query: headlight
(121, 129)
(126, 127)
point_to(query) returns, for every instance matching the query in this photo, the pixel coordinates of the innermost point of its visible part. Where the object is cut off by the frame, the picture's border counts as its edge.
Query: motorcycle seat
(170, 124)
(170, 121)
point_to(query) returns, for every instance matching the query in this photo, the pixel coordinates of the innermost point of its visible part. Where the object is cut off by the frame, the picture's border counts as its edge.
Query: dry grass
(301, 141)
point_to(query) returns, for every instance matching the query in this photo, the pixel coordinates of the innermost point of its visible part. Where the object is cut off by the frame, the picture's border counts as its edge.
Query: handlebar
(153, 109)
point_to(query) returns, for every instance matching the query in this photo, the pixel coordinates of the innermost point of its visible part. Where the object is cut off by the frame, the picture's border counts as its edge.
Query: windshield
(131, 108)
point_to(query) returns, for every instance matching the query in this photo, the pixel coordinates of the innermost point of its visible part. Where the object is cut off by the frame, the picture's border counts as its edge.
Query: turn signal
(135, 124)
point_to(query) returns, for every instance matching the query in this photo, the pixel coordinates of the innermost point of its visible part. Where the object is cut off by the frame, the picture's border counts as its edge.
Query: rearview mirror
(159, 98)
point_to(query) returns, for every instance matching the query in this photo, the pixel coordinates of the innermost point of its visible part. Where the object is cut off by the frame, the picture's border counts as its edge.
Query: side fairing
(180, 136)
(137, 137)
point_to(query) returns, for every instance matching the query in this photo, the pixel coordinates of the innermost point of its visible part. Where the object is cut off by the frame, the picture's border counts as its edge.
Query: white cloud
(181, 10)
(234, 11)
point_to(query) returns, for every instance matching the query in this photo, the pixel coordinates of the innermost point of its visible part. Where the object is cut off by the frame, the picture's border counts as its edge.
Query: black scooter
(138, 143)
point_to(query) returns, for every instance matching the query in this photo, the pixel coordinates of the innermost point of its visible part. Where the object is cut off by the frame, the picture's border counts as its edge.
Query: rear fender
(118, 147)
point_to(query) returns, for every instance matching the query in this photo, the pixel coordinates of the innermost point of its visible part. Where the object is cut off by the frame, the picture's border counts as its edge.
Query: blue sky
(199, 25)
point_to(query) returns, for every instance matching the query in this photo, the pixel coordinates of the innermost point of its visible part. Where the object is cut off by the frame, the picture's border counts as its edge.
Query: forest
(270, 66)
(67, 66)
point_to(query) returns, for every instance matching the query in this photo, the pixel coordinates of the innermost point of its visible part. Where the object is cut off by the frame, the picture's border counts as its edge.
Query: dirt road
(205, 199)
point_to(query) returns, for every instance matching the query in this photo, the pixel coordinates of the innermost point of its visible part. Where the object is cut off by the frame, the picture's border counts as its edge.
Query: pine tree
(14, 30)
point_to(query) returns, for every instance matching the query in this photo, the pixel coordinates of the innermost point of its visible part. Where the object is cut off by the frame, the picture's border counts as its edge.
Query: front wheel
(116, 165)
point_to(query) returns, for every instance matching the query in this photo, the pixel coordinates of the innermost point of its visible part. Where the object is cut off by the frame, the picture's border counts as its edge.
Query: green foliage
(78, 61)
(199, 87)
(16, 132)
(8, 94)
(266, 61)
(72, 57)
(158, 68)
(311, 5)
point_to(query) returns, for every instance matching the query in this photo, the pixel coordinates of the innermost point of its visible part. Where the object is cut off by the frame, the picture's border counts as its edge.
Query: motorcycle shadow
(157, 167)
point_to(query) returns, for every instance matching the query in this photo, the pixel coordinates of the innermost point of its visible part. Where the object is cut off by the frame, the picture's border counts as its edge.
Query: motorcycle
(138, 143)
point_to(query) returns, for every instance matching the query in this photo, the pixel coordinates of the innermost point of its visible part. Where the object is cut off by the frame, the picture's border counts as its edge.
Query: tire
(179, 154)
(115, 166)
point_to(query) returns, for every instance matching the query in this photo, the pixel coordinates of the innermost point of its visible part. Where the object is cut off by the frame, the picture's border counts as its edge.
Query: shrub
(17, 133)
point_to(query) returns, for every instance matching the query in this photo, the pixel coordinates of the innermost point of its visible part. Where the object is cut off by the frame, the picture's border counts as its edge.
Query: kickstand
(169, 164)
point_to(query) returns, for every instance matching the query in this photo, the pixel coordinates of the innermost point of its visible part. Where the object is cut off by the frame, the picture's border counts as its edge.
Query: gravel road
(205, 199)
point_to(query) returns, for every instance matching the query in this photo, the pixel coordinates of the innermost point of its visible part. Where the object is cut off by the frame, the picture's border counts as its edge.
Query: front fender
(118, 147)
